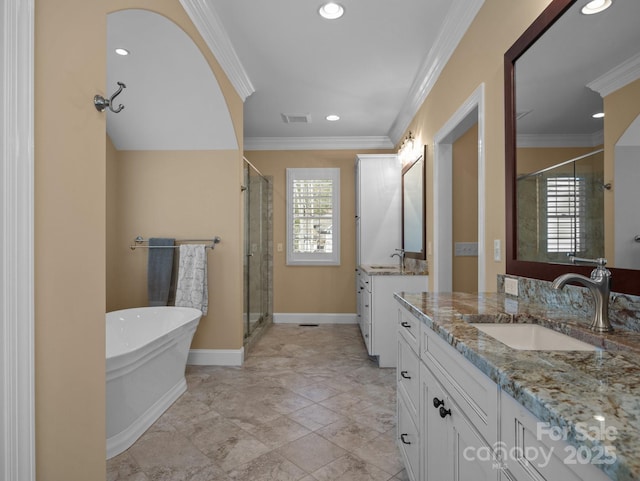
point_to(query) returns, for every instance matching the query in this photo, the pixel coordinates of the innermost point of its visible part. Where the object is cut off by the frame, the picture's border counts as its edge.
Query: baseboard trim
(216, 357)
(314, 318)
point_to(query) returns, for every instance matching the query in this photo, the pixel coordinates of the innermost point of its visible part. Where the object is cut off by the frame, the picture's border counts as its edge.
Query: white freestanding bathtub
(147, 351)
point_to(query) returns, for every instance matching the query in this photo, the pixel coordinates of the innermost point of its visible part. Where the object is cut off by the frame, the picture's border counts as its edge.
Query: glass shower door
(257, 228)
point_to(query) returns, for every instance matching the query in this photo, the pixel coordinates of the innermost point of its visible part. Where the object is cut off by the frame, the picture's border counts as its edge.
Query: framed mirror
(413, 205)
(568, 173)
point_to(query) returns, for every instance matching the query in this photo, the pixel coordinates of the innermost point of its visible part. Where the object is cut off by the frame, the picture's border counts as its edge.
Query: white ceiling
(373, 67)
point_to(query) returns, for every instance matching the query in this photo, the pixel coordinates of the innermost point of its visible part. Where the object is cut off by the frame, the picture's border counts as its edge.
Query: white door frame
(17, 432)
(470, 112)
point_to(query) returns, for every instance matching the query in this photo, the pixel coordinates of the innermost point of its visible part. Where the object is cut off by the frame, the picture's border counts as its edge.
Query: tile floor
(307, 405)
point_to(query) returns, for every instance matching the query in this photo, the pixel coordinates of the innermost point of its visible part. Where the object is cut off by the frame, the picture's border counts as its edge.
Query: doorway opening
(469, 115)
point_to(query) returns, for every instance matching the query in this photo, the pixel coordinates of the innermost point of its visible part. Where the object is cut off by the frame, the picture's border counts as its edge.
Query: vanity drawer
(409, 329)
(408, 439)
(408, 377)
(476, 394)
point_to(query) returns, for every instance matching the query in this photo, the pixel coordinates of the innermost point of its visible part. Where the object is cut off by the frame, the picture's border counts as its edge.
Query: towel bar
(139, 240)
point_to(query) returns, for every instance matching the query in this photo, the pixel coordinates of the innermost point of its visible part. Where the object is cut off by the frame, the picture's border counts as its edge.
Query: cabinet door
(473, 459)
(452, 448)
(437, 445)
(533, 455)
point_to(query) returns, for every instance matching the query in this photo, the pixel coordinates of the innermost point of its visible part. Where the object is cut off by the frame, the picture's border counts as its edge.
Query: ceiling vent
(296, 118)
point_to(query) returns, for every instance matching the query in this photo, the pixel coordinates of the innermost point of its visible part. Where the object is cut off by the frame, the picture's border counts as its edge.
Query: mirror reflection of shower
(561, 210)
(258, 264)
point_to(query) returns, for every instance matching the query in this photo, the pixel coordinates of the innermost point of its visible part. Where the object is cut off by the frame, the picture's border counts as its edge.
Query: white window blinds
(313, 216)
(565, 214)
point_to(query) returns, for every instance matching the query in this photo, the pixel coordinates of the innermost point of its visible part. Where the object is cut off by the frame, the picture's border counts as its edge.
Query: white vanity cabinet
(377, 311)
(465, 427)
(454, 414)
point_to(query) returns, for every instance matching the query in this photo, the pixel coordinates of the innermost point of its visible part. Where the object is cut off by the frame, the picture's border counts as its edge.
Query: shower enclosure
(258, 262)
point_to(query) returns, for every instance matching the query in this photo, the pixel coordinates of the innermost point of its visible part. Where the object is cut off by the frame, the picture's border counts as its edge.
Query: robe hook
(101, 103)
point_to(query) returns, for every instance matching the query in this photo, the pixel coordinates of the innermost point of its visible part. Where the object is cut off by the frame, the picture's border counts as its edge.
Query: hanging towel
(191, 290)
(159, 269)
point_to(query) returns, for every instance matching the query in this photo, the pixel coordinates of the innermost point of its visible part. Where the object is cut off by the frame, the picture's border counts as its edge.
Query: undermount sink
(388, 268)
(533, 337)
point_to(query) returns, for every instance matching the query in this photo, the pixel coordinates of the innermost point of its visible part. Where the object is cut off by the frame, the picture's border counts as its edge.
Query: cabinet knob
(405, 324)
(437, 402)
(405, 374)
(444, 412)
(402, 438)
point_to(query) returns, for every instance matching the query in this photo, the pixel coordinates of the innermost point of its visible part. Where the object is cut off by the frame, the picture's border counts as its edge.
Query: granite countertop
(388, 270)
(564, 388)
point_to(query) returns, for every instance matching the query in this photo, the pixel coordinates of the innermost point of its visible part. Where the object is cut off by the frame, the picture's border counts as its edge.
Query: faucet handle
(599, 262)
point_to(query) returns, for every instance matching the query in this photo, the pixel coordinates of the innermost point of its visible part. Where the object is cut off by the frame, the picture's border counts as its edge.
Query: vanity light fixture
(122, 51)
(598, 115)
(332, 117)
(406, 152)
(331, 11)
(596, 6)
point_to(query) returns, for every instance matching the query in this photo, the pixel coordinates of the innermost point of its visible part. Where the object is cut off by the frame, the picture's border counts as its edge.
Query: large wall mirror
(572, 179)
(413, 205)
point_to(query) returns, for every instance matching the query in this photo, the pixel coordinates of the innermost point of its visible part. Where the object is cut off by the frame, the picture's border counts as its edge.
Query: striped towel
(192, 290)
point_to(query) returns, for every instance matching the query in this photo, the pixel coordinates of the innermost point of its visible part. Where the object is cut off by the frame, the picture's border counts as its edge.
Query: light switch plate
(511, 286)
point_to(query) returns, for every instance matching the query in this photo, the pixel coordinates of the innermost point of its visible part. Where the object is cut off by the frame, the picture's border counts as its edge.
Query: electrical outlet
(279, 247)
(511, 286)
(468, 249)
(497, 250)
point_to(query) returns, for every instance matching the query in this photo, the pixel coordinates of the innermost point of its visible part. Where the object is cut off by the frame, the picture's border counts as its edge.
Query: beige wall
(183, 195)
(70, 231)
(479, 59)
(465, 208)
(329, 289)
(70, 41)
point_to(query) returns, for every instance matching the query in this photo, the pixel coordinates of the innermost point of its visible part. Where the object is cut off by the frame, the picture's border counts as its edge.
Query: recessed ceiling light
(332, 117)
(331, 10)
(598, 115)
(122, 51)
(596, 6)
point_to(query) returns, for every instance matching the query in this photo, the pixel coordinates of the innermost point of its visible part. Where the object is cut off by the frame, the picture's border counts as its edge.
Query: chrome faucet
(599, 285)
(400, 254)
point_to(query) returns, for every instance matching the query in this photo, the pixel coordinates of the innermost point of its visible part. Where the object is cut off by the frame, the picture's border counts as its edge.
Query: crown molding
(561, 140)
(454, 27)
(317, 143)
(618, 77)
(17, 391)
(207, 22)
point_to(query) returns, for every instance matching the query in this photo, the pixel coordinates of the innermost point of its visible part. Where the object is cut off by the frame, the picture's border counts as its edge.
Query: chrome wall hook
(101, 103)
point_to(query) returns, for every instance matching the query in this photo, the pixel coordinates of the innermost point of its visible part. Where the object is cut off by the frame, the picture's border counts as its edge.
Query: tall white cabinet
(378, 208)
(378, 235)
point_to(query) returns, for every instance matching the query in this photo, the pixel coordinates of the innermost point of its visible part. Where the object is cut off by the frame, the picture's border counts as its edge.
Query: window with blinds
(565, 214)
(313, 216)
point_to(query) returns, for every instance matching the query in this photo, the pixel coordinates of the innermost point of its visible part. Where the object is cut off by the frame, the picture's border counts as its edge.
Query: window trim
(314, 258)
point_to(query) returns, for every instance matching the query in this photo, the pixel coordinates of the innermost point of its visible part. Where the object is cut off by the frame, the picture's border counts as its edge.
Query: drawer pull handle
(444, 412)
(405, 375)
(403, 439)
(405, 324)
(437, 402)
